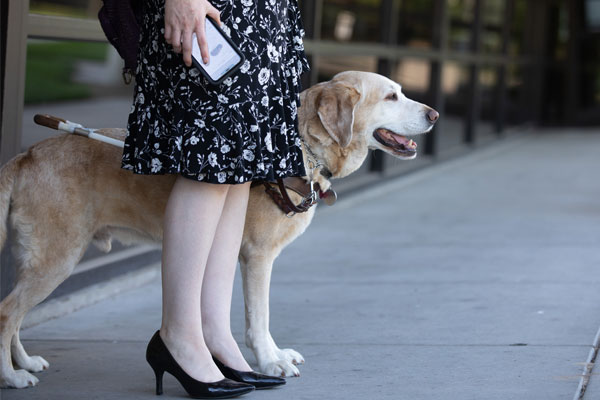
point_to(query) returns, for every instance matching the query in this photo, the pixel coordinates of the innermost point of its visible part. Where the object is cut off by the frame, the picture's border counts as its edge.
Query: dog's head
(356, 111)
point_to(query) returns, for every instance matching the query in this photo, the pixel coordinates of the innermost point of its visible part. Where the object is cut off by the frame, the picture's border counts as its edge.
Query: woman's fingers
(201, 36)
(176, 40)
(168, 32)
(179, 26)
(214, 13)
(187, 48)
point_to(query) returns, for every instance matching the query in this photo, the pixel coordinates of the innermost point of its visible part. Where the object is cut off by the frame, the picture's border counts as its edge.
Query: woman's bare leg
(191, 218)
(218, 279)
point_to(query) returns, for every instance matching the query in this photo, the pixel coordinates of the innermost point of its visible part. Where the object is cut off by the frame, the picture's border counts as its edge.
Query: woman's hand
(182, 19)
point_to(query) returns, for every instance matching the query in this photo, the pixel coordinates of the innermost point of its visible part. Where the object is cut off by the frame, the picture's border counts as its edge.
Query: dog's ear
(335, 107)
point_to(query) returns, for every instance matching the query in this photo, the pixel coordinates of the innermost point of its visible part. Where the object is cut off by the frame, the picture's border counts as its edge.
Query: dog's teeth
(412, 144)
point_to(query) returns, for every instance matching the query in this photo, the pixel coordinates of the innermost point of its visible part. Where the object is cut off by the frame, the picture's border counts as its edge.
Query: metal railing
(52, 27)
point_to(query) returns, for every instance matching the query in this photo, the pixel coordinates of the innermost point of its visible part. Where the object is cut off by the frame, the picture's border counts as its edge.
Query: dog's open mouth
(399, 144)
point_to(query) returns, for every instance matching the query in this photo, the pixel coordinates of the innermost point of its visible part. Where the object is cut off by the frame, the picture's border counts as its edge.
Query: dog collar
(313, 163)
(330, 196)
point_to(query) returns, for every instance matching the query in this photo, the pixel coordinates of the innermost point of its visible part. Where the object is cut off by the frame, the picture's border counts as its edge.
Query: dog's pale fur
(68, 191)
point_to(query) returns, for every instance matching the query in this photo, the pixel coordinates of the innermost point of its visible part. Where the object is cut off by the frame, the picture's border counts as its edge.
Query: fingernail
(205, 60)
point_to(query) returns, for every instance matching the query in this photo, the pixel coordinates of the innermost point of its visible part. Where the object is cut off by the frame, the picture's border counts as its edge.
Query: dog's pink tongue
(409, 143)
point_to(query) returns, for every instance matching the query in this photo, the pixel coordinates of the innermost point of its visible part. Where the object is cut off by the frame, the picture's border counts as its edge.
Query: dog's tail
(8, 172)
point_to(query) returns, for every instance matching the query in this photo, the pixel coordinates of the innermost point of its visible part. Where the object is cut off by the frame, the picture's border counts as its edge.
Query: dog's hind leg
(26, 294)
(9, 377)
(10, 340)
(42, 265)
(256, 273)
(22, 359)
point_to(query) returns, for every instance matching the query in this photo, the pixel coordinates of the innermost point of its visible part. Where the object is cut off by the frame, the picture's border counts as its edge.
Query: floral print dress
(245, 128)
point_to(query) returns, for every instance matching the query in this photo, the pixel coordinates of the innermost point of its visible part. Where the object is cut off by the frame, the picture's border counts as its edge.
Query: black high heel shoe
(260, 381)
(161, 360)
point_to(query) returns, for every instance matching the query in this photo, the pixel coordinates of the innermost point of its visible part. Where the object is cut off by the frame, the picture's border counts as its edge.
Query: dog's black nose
(432, 116)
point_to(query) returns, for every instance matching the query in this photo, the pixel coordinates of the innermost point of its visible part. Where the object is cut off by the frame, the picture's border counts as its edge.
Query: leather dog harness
(307, 189)
(282, 198)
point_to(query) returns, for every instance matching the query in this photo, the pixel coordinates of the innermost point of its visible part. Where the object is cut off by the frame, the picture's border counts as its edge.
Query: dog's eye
(392, 96)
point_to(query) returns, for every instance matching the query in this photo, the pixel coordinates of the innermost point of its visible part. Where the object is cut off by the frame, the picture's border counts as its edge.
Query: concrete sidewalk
(474, 279)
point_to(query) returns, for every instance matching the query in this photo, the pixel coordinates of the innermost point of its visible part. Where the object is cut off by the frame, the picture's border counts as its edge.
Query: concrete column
(12, 109)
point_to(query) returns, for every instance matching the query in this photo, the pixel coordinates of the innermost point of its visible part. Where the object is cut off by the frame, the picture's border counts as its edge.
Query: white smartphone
(225, 57)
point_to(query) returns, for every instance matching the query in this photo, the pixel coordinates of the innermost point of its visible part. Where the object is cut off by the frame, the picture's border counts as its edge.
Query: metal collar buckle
(310, 198)
(307, 201)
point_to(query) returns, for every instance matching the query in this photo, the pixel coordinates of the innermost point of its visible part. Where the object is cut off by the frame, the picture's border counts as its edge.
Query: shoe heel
(159, 378)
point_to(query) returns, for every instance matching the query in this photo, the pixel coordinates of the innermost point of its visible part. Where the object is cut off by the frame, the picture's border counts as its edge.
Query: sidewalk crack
(588, 367)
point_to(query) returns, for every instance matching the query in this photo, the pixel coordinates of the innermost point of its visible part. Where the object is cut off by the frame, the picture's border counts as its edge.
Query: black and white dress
(243, 129)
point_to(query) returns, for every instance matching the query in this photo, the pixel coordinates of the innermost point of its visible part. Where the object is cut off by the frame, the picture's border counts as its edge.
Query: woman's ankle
(224, 348)
(192, 354)
(168, 333)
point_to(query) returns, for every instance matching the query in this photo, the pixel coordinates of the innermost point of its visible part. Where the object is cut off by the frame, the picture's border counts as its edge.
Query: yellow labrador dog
(68, 191)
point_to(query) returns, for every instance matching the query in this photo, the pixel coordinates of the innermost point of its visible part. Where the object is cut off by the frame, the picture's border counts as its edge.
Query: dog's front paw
(291, 355)
(18, 379)
(34, 364)
(280, 368)
(278, 362)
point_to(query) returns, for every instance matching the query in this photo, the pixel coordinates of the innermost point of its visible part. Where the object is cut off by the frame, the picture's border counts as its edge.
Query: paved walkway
(474, 279)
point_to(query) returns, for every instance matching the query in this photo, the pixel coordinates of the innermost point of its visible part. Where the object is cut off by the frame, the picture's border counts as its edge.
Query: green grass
(50, 66)
(62, 10)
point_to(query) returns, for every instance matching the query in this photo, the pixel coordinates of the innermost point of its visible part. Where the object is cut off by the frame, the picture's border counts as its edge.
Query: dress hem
(228, 181)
